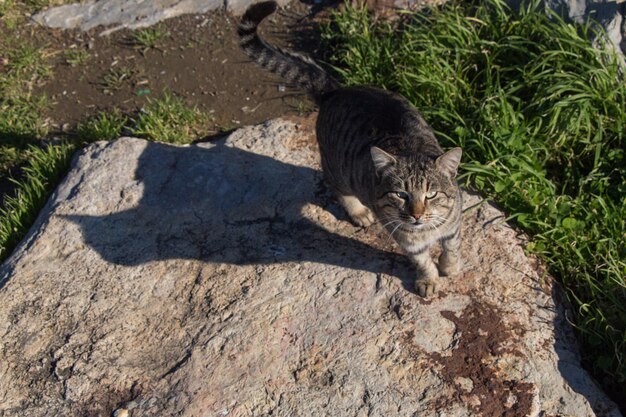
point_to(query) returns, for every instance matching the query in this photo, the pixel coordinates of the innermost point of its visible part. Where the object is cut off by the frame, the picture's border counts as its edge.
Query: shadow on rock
(226, 205)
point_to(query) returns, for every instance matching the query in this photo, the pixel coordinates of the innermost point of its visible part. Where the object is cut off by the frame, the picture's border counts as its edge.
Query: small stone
(465, 384)
(121, 412)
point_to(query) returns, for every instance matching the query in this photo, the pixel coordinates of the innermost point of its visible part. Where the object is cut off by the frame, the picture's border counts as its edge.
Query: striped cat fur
(379, 156)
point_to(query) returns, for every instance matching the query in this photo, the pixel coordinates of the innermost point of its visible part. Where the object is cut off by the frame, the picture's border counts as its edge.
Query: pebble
(121, 412)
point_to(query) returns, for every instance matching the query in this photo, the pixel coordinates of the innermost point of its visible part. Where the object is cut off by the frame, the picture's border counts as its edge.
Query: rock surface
(130, 14)
(222, 279)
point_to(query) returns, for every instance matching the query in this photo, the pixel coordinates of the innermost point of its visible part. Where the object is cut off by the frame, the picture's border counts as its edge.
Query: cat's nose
(417, 209)
(416, 219)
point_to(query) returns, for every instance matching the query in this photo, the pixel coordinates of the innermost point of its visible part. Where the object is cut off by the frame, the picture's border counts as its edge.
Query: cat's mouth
(415, 225)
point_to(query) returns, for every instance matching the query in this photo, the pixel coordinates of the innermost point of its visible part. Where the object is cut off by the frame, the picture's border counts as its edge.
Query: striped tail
(296, 69)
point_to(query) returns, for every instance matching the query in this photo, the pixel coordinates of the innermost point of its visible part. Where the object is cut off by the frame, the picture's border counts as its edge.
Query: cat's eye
(401, 194)
(431, 194)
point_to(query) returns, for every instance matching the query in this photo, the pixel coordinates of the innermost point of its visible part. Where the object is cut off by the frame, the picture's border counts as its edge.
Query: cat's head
(415, 193)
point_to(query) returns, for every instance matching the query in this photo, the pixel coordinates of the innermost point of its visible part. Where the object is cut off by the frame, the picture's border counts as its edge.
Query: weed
(76, 57)
(303, 107)
(116, 78)
(104, 126)
(540, 115)
(170, 120)
(150, 38)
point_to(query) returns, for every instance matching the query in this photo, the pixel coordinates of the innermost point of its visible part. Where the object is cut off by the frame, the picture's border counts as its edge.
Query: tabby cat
(378, 155)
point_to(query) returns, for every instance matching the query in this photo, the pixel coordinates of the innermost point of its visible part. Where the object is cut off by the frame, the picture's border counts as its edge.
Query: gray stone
(238, 7)
(119, 14)
(222, 279)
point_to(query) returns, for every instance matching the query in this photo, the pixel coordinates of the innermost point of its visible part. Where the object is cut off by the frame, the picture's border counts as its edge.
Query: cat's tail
(295, 69)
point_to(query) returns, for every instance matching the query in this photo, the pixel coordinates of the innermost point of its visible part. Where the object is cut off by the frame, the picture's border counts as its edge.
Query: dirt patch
(483, 336)
(199, 60)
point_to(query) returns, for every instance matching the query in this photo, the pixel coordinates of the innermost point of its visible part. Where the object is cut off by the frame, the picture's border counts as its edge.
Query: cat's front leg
(360, 214)
(450, 258)
(427, 274)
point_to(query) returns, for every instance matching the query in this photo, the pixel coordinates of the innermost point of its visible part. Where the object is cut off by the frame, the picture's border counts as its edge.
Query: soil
(199, 61)
(483, 335)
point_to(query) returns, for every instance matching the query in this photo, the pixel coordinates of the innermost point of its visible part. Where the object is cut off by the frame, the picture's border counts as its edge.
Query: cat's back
(384, 108)
(370, 115)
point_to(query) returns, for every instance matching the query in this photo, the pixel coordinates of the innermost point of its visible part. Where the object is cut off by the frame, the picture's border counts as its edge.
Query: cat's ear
(381, 159)
(449, 162)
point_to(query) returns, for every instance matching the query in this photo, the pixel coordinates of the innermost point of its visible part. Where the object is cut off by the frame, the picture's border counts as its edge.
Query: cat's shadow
(223, 204)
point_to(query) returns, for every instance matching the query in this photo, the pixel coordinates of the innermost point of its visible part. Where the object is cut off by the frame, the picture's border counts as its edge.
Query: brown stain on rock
(483, 335)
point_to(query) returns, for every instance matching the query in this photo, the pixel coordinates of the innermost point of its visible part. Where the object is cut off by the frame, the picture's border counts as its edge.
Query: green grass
(11, 13)
(170, 120)
(42, 173)
(21, 120)
(167, 119)
(76, 57)
(104, 126)
(116, 78)
(25, 66)
(541, 117)
(149, 38)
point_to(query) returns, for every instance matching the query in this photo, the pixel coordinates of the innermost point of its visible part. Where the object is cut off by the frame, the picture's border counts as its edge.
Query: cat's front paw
(425, 287)
(363, 218)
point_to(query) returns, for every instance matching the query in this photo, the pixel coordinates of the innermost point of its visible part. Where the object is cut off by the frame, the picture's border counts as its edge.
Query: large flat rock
(221, 279)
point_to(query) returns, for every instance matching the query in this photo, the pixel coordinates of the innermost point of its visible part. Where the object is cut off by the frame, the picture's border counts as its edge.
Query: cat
(378, 155)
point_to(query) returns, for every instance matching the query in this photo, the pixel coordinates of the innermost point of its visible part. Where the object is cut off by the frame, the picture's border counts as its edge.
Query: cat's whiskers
(435, 223)
(436, 218)
(391, 222)
(393, 231)
(388, 219)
